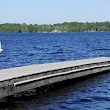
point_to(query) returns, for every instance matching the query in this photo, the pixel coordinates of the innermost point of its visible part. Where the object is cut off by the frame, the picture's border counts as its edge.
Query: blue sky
(53, 11)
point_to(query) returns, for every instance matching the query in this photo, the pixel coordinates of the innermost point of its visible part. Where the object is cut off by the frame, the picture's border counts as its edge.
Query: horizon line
(58, 22)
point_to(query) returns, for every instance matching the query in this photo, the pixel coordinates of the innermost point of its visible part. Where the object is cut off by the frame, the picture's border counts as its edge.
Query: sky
(54, 11)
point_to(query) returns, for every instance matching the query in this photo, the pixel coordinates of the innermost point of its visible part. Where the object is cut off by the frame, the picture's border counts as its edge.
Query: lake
(22, 49)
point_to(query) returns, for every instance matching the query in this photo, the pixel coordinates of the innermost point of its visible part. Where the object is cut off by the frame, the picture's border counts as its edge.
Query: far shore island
(59, 27)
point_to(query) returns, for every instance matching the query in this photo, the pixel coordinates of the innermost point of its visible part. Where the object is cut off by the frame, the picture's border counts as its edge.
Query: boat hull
(1, 50)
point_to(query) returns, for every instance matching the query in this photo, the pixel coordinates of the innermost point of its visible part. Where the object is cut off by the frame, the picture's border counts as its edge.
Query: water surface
(22, 49)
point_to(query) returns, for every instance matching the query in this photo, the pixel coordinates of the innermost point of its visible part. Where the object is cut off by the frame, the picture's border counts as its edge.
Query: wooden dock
(20, 79)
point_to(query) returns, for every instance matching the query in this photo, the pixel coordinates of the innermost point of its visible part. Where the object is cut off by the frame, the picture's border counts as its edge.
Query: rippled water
(35, 48)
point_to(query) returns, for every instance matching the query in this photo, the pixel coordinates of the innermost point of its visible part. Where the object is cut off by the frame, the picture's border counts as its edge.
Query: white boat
(1, 50)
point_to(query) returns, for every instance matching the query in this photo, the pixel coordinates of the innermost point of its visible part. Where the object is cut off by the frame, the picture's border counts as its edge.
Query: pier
(21, 79)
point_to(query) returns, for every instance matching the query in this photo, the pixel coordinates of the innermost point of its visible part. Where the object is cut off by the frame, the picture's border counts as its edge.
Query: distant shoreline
(56, 28)
(51, 32)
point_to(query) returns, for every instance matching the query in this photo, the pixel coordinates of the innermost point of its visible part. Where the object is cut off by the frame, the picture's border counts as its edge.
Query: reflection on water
(89, 93)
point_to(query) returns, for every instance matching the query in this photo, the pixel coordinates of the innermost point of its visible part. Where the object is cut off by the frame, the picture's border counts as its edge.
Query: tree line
(59, 27)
